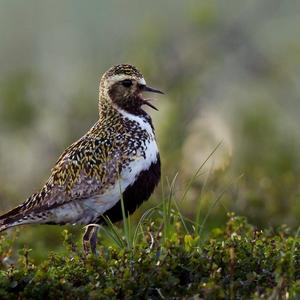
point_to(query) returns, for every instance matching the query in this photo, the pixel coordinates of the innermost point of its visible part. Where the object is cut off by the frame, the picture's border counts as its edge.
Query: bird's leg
(86, 239)
(89, 239)
(93, 239)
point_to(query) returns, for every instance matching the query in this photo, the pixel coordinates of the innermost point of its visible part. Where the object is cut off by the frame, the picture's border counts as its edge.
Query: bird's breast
(137, 151)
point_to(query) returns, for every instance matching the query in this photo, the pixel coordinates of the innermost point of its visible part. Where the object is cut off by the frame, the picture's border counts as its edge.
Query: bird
(116, 160)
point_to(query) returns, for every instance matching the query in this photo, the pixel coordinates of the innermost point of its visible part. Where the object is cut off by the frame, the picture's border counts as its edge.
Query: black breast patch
(136, 194)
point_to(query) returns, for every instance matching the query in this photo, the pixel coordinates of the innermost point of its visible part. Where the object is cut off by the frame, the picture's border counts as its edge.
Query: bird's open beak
(151, 90)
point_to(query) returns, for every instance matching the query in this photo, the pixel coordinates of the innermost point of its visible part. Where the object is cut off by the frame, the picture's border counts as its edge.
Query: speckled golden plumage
(120, 143)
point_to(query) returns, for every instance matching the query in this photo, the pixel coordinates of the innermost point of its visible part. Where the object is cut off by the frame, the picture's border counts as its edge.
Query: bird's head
(124, 85)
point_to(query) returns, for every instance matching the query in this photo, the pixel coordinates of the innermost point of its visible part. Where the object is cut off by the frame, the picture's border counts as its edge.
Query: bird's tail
(3, 227)
(11, 218)
(19, 215)
(24, 214)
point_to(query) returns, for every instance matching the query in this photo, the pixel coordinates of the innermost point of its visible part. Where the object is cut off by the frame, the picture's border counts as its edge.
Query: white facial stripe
(121, 77)
(142, 81)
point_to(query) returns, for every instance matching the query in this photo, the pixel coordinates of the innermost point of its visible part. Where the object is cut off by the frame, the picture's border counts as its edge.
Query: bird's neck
(109, 110)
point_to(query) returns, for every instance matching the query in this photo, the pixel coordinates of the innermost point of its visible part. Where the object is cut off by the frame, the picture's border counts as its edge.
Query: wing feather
(85, 169)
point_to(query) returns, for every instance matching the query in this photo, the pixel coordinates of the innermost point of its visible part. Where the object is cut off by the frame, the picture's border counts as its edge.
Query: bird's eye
(127, 83)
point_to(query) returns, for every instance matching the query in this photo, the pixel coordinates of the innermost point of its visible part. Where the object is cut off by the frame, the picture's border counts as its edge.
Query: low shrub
(234, 262)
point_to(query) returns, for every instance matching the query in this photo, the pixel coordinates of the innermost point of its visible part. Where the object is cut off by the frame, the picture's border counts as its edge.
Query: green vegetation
(161, 258)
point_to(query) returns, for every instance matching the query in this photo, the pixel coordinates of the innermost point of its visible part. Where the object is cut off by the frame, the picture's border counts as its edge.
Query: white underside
(89, 209)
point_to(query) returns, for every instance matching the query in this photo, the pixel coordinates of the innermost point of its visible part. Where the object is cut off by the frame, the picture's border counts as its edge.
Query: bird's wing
(84, 169)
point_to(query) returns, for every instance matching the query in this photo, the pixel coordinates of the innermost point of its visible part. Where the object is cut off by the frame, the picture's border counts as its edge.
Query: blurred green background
(231, 73)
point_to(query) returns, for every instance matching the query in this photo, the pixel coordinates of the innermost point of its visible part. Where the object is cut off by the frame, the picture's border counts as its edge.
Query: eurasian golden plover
(116, 159)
